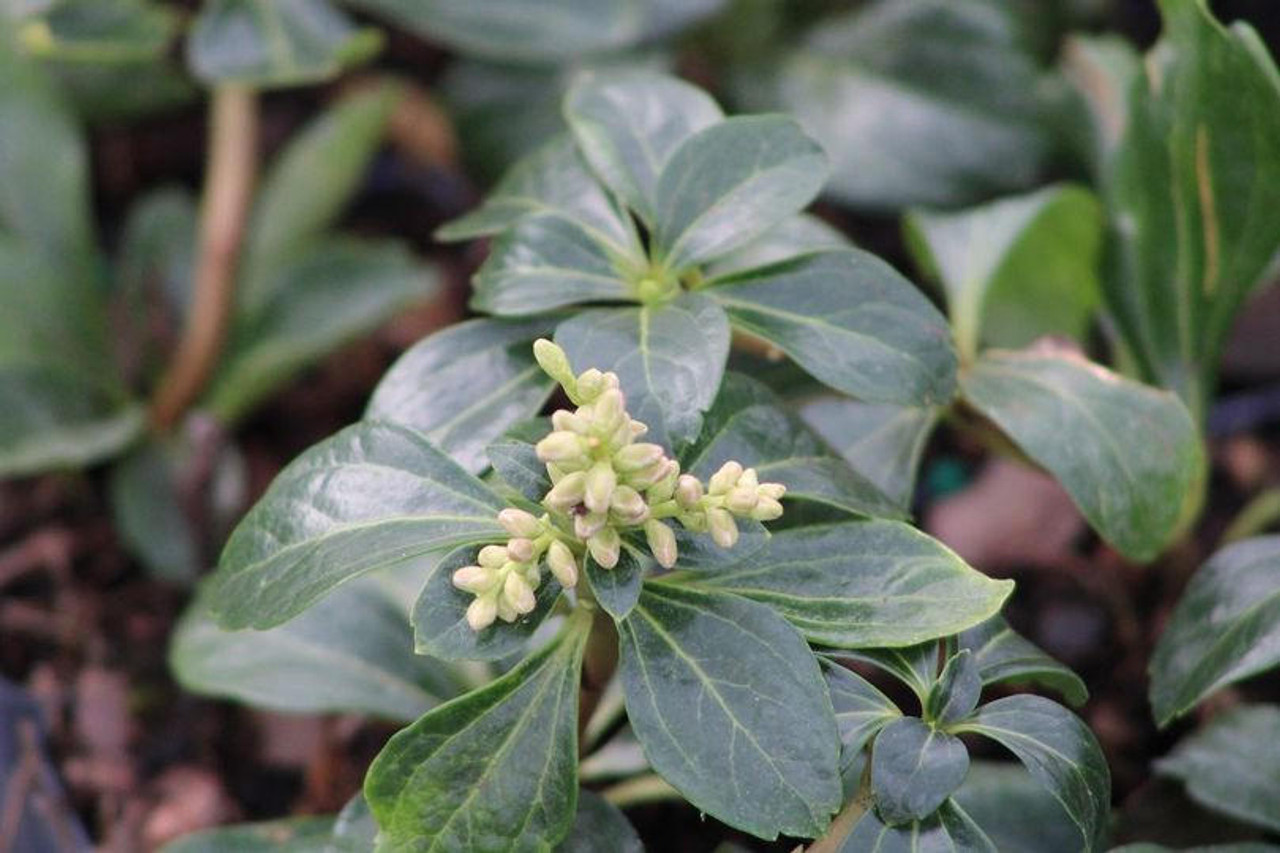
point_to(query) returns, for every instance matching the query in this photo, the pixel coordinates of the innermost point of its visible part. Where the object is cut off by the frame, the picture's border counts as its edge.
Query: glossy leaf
(1015, 813)
(731, 709)
(917, 101)
(861, 711)
(354, 829)
(287, 835)
(851, 321)
(863, 583)
(914, 768)
(351, 652)
(949, 830)
(748, 423)
(1001, 263)
(802, 234)
(373, 496)
(1193, 230)
(517, 465)
(731, 182)
(915, 666)
(265, 43)
(463, 386)
(1133, 457)
(669, 359)
(600, 826)
(494, 769)
(955, 694)
(883, 442)
(1230, 765)
(440, 626)
(1006, 657)
(627, 125)
(1225, 628)
(617, 589)
(1058, 750)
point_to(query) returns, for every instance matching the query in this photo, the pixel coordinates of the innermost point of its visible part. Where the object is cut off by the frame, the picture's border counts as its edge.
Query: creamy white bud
(482, 612)
(517, 522)
(492, 556)
(662, 542)
(555, 363)
(590, 383)
(519, 594)
(520, 549)
(568, 492)
(506, 612)
(688, 491)
(665, 488)
(600, 483)
(567, 421)
(605, 547)
(638, 428)
(562, 563)
(474, 579)
(771, 490)
(560, 446)
(767, 509)
(749, 479)
(587, 524)
(739, 501)
(628, 505)
(724, 479)
(724, 530)
(635, 457)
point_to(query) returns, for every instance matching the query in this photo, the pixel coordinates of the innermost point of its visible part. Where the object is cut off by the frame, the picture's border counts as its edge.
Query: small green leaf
(463, 386)
(914, 768)
(516, 463)
(1128, 455)
(627, 124)
(157, 252)
(731, 182)
(617, 589)
(669, 359)
(495, 769)
(1058, 750)
(863, 583)
(861, 711)
(850, 320)
(748, 423)
(731, 709)
(440, 626)
(1018, 815)
(287, 835)
(372, 496)
(1230, 765)
(106, 34)
(915, 666)
(148, 512)
(955, 694)
(1006, 657)
(599, 827)
(1225, 628)
(949, 829)
(276, 43)
(802, 234)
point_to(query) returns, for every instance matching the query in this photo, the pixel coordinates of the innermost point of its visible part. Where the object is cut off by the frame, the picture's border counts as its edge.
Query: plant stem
(598, 664)
(848, 817)
(649, 788)
(228, 190)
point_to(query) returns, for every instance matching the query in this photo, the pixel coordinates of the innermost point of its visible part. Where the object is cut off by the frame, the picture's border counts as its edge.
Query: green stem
(849, 816)
(599, 662)
(1259, 514)
(649, 788)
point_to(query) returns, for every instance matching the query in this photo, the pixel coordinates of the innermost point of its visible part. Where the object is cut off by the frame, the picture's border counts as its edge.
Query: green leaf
(598, 827)
(516, 462)
(1006, 657)
(373, 496)
(851, 321)
(1018, 815)
(949, 829)
(731, 182)
(548, 261)
(917, 101)
(1189, 190)
(495, 769)
(148, 510)
(914, 768)
(863, 583)
(324, 296)
(802, 234)
(915, 666)
(1128, 455)
(747, 423)
(1058, 750)
(1001, 263)
(277, 43)
(731, 709)
(51, 320)
(955, 694)
(104, 34)
(463, 386)
(440, 626)
(309, 183)
(881, 441)
(1225, 628)
(157, 253)
(287, 835)
(628, 124)
(617, 589)
(669, 359)
(1230, 765)
(352, 652)
(1101, 68)
(354, 830)
(861, 711)
(552, 179)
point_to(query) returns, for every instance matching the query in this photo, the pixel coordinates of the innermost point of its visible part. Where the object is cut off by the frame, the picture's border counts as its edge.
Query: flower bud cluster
(604, 482)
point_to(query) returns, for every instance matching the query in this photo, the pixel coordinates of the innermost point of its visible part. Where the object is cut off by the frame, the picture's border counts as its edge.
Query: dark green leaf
(955, 694)
(600, 828)
(493, 770)
(1018, 815)
(732, 710)
(747, 423)
(1003, 262)
(915, 666)
(802, 234)
(1101, 68)
(1226, 628)
(851, 321)
(627, 124)
(463, 386)
(669, 359)
(861, 711)
(1128, 455)
(914, 768)
(354, 830)
(1004, 656)
(352, 652)
(51, 319)
(105, 34)
(949, 830)
(881, 441)
(863, 583)
(266, 43)
(1058, 750)
(731, 182)
(148, 511)
(617, 589)
(372, 496)
(517, 464)
(157, 252)
(287, 835)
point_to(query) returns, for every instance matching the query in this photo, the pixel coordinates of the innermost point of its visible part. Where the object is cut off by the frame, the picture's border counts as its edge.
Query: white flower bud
(560, 446)
(520, 549)
(635, 457)
(474, 579)
(506, 612)
(591, 383)
(724, 479)
(567, 421)
(563, 564)
(600, 483)
(662, 542)
(638, 428)
(724, 530)
(739, 501)
(695, 521)
(568, 492)
(628, 506)
(749, 479)
(555, 363)
(605, 547)
(482, 612)
(517, 522)
(666, 487)
(588, 524)
(771, 490)
(654, 474)
(688, 491)
(767, 509)
(492, 556)
(610, 407)
(519, 594)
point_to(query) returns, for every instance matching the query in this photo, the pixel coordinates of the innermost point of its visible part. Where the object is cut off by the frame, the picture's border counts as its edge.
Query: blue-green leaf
(914, 768)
